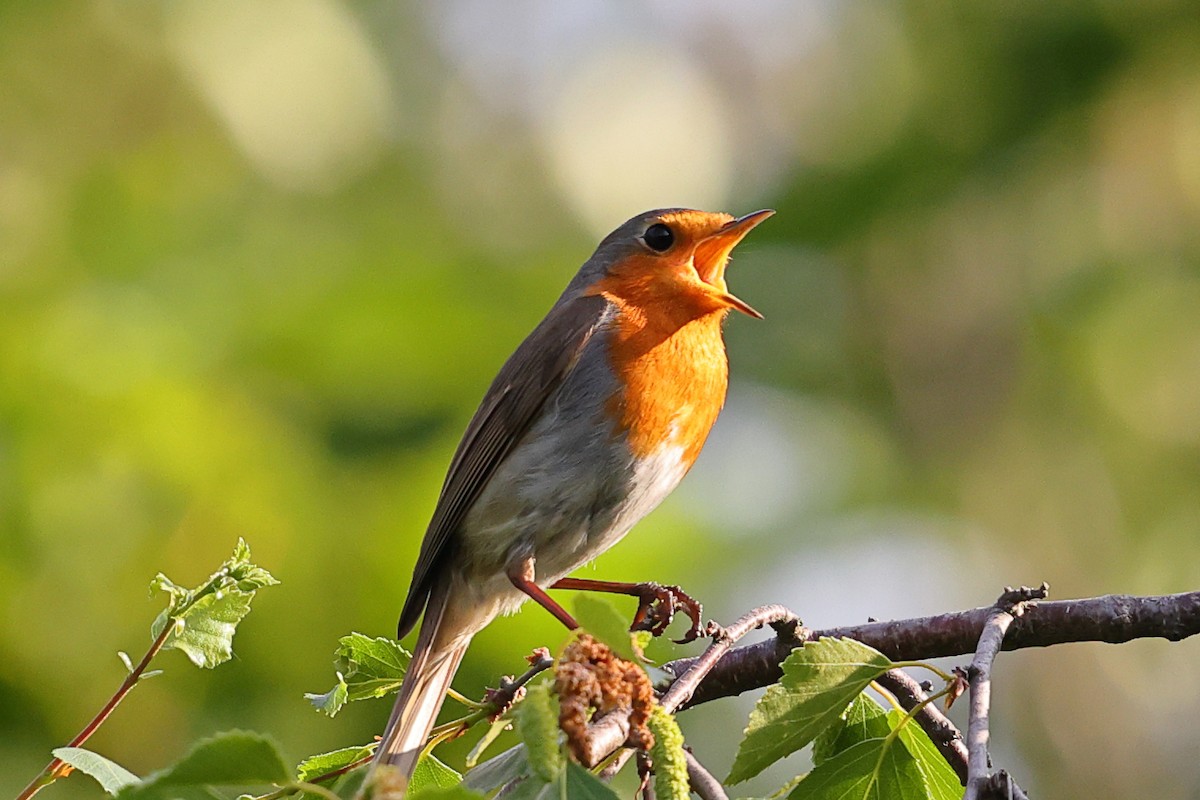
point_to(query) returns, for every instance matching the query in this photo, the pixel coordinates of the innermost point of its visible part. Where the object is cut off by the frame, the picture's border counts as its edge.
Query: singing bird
(593, 420)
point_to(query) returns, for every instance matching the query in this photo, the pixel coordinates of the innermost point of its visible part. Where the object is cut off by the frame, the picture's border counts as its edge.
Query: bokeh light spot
(1146, 360)
(634, 129)
(296, 84)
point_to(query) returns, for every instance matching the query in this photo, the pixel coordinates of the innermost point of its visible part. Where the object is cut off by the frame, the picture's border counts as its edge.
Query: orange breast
(674, 373)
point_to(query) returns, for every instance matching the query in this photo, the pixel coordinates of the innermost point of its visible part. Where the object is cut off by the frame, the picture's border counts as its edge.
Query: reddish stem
(353, 765)
(58, 768)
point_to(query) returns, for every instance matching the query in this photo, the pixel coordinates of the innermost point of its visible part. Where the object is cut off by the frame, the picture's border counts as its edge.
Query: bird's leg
(522, 577)
(657, 604)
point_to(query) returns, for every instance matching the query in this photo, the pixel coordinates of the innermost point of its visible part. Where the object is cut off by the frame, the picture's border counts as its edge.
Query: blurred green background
(260, 258)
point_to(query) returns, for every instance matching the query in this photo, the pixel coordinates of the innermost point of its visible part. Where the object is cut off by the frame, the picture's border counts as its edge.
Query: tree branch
(1010, 606)
(942, 732)
(703, 783)
(1112, 618)
(604, 736)
(725, 671)
(782, 619)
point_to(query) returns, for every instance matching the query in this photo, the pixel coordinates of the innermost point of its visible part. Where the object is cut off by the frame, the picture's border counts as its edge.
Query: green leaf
(324, 763)
(489, 738)
(579, 784)
(499, 770)
(941, 780)
(111, 776)
(177, 595)
(204, 630)
(367, 658)
(181, 793)
(204, 619)
(574, 783)
(233, 758)
(445, 793)
(366, 668)
(534, 788)
(819, 681)
(863, 719)
(537, 722)
(875, 769)
(332, 701)
(903, 767)
(781, 792)
(601, 619)
(247, 575)
(433, 774)
(346, 786)
(670, 763)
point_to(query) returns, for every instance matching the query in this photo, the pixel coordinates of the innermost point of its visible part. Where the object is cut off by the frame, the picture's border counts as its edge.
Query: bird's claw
(656, 609)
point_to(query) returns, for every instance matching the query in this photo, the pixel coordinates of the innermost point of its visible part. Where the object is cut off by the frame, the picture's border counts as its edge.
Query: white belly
(566, 493)
(562, 506)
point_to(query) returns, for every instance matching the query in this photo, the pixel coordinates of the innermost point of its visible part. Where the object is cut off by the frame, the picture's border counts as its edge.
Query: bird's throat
(673, 379)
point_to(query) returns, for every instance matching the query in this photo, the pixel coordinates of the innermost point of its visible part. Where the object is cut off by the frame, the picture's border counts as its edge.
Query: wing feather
(525, 382)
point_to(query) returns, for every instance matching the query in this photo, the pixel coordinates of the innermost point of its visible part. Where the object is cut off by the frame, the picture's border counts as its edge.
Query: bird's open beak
(712, 254)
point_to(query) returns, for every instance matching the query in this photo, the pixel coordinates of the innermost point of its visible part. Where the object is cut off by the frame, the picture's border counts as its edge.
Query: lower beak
(712, 254)
(741, 305)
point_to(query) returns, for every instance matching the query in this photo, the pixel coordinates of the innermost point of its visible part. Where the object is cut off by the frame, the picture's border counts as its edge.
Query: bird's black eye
(658, 237)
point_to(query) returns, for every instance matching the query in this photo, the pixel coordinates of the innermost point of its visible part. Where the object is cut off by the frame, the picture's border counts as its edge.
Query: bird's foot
(657, 605)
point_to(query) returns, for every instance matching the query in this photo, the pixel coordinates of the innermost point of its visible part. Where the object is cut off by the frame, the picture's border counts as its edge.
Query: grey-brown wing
(527, 379)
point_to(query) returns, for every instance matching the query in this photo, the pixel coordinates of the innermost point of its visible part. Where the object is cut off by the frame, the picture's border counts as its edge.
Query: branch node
(1015, 601)
(786, 628)
(942, 732)
(715, 631)
(645, 771)
(798, 637)
(1001, 785)
(512, 689)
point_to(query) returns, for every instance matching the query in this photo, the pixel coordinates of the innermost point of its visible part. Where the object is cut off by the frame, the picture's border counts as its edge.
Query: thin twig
(501, 699)
(942, 732)
(58, 768)
(1001, 786)
(702, 781)
(614, 766)
(782, 619)
(779, 617)
(646, 786)
(980, 676)
(1012, 604)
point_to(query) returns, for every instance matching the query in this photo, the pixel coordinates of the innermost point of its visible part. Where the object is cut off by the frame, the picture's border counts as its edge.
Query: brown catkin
(591, 680)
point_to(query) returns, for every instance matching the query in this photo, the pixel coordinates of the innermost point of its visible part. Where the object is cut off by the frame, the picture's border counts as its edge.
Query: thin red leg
(657, 604)
(522, 577)
(637, 590)
(588, 585)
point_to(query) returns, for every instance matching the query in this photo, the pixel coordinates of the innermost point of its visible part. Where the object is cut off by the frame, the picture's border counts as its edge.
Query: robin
(589, 425)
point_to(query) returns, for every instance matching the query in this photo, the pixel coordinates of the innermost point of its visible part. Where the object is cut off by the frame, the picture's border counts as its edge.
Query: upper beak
(712, 254)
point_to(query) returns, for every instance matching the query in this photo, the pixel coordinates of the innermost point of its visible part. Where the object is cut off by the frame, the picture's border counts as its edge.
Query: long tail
(422, 692)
